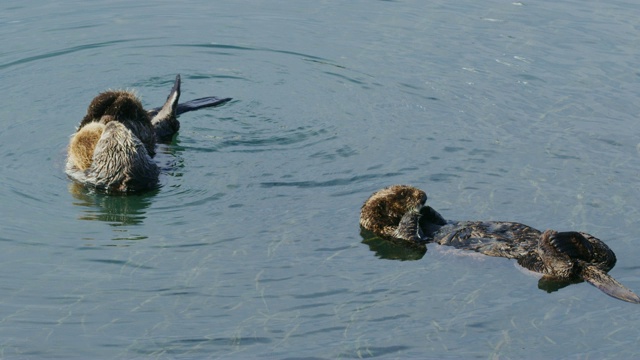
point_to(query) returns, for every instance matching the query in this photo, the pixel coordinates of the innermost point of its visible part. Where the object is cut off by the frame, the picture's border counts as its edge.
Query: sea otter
(398, 213)
(113, 147)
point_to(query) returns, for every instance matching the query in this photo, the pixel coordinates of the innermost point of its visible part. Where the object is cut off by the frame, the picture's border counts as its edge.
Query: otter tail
(608, 284)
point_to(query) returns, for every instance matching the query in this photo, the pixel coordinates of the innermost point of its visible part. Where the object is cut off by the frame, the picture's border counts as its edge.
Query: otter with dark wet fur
(112, 149)
(398, 213)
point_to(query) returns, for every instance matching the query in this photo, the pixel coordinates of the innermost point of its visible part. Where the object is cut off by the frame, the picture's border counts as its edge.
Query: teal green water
(251, 248)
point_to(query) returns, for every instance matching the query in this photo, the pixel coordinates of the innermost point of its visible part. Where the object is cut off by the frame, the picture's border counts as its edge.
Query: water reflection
(552, 285)
(390, 250)
(117, 210)
(126, 209)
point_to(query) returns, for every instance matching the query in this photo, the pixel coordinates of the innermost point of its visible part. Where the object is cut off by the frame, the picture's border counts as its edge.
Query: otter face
(383, 211)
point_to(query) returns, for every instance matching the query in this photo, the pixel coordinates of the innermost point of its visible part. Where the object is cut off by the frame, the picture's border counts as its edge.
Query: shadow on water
(552, 285)
(117, 210)
(390, 250)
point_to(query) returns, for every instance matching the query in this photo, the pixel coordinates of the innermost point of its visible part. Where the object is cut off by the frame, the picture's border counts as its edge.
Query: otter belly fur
(398, 213)
(113, 147)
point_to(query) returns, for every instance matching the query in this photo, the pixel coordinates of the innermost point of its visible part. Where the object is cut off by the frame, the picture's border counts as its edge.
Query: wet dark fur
(124, 107)
(562, 257)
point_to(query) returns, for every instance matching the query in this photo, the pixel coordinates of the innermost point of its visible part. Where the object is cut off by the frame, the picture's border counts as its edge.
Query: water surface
(251, 249)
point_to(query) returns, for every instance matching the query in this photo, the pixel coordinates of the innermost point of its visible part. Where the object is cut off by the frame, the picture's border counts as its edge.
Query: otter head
(124, 107)
(383, 212)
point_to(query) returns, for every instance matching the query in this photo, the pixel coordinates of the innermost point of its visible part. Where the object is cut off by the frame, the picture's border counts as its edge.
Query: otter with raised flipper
(113, 148)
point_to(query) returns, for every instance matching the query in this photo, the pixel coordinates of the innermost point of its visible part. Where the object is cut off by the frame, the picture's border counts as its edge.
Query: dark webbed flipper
(572, 244)
(571, 256)
(196, 104)
(561, 251)
(608, 284)
(164, 119)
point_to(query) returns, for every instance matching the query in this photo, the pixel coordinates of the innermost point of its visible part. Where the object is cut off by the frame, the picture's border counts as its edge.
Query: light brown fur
(114, 145)
(83, 143)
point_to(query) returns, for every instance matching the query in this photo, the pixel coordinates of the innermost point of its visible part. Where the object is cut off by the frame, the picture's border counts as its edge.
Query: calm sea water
(521, 111)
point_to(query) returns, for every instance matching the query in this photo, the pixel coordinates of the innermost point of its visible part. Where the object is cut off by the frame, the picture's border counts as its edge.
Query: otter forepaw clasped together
(113, 147)
(398, 213)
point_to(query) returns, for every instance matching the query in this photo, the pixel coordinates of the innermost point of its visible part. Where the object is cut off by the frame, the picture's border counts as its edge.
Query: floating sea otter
(112, 149)
(398, 213)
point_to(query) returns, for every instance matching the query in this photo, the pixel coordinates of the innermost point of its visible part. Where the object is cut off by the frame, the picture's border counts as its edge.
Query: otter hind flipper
(572, 244)
(164, 119)
(195, 104)
(608, 284)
